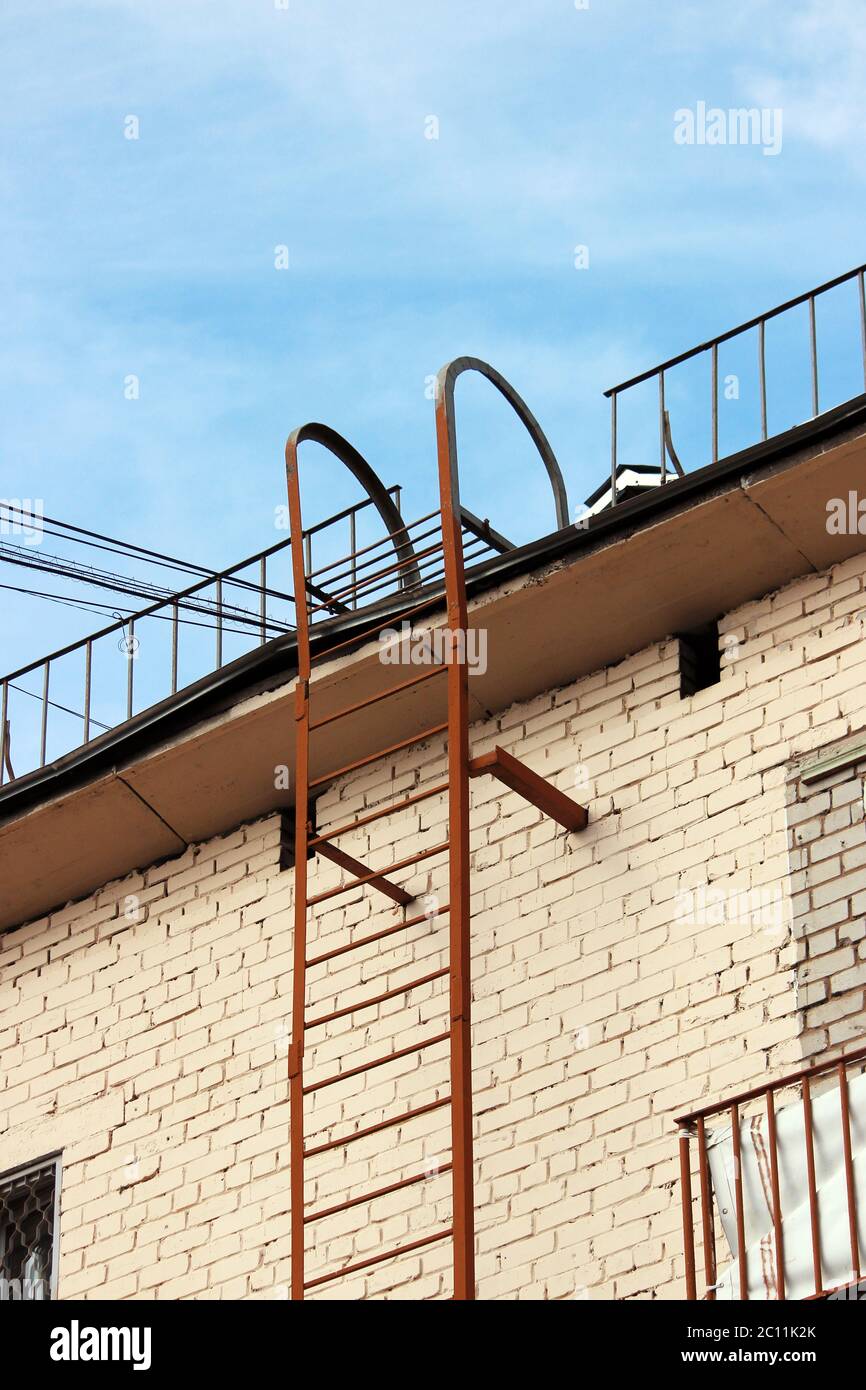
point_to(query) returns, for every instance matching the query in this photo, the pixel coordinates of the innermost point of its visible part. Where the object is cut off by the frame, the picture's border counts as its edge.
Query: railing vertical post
(263, 610)
(219, 624)
(862, 297)
(688, 1221)
(849, 1172)
(738, 1194)
(709, 1233)
(813, 353)
(43, 742)
(762, 377)
(663, 463)
(130, 658)
(308, 569)
(613, 448)
(714, 357)
(813, 1193)
(174, 627)
(777, 1200)
(4, 701)
(88, 667)
(353, 543)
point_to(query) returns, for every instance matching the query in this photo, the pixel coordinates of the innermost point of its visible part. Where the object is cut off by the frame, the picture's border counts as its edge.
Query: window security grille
(28, 1224)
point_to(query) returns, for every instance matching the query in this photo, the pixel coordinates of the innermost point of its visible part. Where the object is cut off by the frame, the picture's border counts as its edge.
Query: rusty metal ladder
(461, 767)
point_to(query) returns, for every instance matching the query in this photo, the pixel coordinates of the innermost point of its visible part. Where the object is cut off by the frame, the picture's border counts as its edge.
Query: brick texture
(703, 934)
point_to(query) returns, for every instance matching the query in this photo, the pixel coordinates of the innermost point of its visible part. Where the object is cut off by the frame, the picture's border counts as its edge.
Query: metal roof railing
(62, 701)
(659, 374)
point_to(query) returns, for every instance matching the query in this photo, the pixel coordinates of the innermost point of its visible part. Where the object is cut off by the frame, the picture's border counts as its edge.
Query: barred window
(28, 1230)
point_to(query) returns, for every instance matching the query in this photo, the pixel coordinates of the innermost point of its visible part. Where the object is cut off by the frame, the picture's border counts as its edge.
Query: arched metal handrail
(361, 470)
(445, 383)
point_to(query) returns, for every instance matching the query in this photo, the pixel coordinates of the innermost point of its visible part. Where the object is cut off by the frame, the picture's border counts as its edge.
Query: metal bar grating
(28, 1232)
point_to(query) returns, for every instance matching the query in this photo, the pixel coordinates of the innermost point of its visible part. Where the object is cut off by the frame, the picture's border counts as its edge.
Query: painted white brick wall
(145, 1030)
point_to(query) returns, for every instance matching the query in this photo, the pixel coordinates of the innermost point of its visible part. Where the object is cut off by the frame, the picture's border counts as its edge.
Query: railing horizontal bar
(374, 699)
(377, 1128)
(383, 753)
(428, 569)
(858, 1055)
(376, 936)
(354, 568)
(377, 1259)
(380, 811)
(341, 516)
(374, 545)
(377, 1062)
(377, 999)
(378, 873)
(379, 1192)
(734, 332)
(370, 582)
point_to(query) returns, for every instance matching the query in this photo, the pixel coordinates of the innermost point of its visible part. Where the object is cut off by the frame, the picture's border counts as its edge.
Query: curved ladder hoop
(409, 575)
(445, 420)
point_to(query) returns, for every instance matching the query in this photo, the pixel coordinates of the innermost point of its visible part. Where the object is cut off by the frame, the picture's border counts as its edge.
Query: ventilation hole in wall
(287, 837)
(700, 660)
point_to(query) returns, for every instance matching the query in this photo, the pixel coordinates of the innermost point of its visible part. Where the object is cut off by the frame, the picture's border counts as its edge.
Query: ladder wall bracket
(359, 870)
(294, 1059)
(521, 779)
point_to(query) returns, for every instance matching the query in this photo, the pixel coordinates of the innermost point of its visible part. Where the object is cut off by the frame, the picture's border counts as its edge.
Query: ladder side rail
(302, 792)
(462, 1172)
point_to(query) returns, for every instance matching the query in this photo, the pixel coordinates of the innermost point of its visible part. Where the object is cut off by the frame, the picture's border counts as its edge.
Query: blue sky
(261, 126)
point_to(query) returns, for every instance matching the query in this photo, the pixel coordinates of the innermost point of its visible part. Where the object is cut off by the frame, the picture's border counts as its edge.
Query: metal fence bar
(88, 680)
(130, 660)
(43, 742)
(353, 545)
(849, 1172)
(688, 1220)
(738, 1194)
(762, 376)
(708, 1225)
(777, 1201)
(862, 297)
(813, 354)
(4, 702)
(174, 636)
(219, 624)
(613, 400)
(663, 463)
(715, 388)
(813, 1191)
(263, 608)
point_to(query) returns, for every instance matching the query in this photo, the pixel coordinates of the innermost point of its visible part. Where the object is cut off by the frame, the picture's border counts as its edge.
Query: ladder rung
(376, 936)
(347, 861)
(377, 1259)
(379, 999)
(377, 814)
(380, 695)
(379, 873)
(382, 753)
(431, 601)
(377, 1128)
(378, 1062)
(372, 1196)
